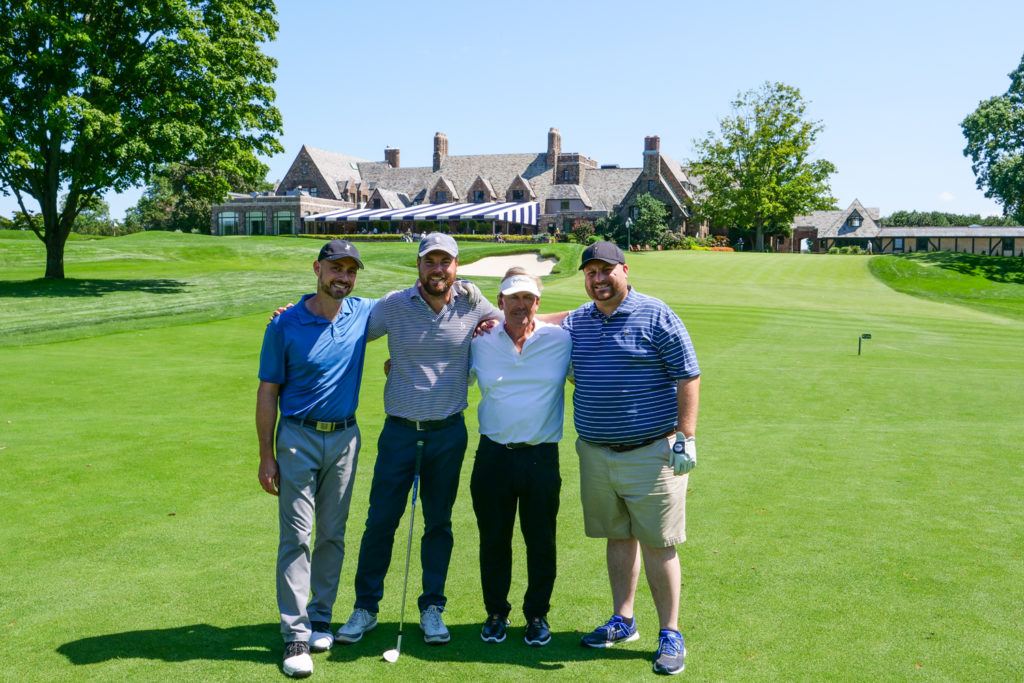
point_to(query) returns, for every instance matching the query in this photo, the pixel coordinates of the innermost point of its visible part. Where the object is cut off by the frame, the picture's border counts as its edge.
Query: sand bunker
(495, 266)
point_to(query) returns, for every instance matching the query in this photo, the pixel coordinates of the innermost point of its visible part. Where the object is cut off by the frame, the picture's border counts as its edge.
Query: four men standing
(637, 385)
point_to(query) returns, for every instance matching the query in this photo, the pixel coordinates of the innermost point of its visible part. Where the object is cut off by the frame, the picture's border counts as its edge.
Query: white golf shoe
(297, 662)
(321, 640)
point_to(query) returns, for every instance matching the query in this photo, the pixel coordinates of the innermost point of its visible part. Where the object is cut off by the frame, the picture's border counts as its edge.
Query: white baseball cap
(519, 283)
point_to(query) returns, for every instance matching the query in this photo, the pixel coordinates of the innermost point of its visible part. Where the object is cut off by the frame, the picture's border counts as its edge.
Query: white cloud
(945, 196)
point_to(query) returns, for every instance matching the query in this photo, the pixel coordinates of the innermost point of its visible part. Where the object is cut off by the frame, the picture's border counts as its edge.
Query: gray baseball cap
(439, 241)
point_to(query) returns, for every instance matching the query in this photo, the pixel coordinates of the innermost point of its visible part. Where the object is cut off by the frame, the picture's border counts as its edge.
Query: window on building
(442, 196)
(312, 191)
(304, 169)
(257, 222)
(284, 222)
(564, 205)
(922, 244)
(478, 195)
(227, 223)
(634, 212)
(376, 202)
(565, 174)
(855, 220)
(517, 195)
(1008, 244)
(650, 186)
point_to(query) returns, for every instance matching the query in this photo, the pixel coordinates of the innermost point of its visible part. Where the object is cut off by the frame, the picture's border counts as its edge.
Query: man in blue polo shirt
(310, 368)
(635, 402)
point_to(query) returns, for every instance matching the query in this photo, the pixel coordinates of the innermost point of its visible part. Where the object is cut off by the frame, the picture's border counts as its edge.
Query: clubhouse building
(860, 226)
(528, 193)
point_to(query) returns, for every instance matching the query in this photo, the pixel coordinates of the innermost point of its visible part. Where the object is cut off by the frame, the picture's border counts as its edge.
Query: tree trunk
(760, 238)
(54, 255)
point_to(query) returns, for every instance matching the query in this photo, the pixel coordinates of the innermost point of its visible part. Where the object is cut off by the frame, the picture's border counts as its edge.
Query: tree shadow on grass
(1007, 269)
(87, 287)
(256, 643)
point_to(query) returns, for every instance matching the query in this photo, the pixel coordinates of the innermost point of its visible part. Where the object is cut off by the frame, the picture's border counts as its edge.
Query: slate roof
(335, 168)
(834, 223)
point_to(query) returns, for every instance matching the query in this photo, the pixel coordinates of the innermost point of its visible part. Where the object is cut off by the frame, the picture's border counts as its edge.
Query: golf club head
(391, 656)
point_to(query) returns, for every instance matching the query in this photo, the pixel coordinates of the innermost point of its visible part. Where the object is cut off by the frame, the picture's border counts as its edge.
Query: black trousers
(502, 479)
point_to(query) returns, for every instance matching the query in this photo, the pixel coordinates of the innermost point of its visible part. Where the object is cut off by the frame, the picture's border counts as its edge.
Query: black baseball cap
(336, 249)
(602, 251)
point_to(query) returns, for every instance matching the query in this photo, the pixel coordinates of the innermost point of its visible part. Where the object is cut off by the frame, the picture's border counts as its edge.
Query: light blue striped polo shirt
(429, 376)
(626, 366)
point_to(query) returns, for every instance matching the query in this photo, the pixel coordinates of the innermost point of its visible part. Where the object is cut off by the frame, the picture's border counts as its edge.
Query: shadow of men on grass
(88, 287)
(466, 646)
(255, 643)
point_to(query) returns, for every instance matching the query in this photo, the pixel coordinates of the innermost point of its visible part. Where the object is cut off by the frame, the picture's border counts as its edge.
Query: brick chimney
(440, 149)
(554, 146)
(392, 155)
(652, 156)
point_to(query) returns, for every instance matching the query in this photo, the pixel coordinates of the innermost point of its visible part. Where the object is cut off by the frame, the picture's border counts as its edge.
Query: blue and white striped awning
(512, 212)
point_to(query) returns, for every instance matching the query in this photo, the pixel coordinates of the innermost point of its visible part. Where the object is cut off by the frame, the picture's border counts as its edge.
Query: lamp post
(629, 224)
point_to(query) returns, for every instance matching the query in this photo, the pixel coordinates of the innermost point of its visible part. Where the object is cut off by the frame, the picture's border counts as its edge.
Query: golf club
(391, 656)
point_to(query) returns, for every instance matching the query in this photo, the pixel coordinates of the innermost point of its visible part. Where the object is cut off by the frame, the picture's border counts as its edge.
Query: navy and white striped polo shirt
(626, 366)
(429, 375)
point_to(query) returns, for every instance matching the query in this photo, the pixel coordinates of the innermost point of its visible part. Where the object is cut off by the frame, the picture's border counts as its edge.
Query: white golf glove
(468, 289)
(684, 454)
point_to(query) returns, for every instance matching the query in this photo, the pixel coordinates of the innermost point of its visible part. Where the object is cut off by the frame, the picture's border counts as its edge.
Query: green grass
(851, 518)
(993, 284)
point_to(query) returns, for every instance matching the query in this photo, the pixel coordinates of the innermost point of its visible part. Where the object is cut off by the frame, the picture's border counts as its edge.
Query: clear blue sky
(890, 80)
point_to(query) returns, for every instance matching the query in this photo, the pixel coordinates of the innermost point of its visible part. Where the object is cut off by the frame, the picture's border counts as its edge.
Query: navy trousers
(443, 452)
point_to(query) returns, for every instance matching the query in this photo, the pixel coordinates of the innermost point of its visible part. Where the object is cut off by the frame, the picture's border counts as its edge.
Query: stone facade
(567, 185)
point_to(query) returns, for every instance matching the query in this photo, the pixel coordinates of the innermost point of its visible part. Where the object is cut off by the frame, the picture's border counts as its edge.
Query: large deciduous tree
(756, 173)
(94, 96)
(995, 144)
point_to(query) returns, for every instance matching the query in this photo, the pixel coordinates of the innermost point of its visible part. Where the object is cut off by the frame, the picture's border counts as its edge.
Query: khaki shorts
(633, 494)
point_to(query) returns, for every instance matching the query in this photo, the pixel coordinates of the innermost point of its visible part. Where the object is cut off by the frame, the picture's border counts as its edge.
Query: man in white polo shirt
(521, 371)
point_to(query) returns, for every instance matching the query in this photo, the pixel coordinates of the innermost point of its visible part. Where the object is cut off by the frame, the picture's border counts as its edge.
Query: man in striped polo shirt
(635, 410)
(429, 328)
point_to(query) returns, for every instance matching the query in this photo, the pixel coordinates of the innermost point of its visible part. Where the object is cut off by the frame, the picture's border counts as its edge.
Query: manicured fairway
(851, 517)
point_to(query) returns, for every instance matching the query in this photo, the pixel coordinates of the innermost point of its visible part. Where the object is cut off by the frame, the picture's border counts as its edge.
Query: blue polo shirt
(626, 366)
(318, 362)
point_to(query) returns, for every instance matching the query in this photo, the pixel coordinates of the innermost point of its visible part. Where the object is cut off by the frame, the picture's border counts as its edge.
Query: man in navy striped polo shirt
(635, 410)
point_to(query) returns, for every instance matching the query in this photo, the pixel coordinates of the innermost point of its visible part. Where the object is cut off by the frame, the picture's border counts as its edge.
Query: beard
(437, 287)
(336, 289)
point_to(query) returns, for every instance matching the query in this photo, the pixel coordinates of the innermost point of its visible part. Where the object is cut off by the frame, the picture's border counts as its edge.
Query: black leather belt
(427, 425)
(622, 448)
(517, 445)
(321, 426)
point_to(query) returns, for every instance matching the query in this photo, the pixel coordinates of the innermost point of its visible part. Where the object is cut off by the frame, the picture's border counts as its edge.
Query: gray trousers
(317, 471)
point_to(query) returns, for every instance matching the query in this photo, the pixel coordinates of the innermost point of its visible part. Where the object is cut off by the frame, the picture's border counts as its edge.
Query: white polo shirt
(522, 395)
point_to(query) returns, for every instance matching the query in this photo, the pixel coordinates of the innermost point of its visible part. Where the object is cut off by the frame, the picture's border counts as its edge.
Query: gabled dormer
(443, 192)
(520, 190)
(481, 191)
(856, 219)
